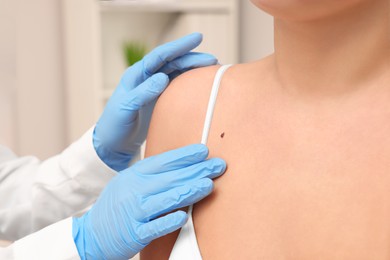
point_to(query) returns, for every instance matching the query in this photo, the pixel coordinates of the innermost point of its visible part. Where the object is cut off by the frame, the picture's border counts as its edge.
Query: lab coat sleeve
(52, 242)
(35, 194)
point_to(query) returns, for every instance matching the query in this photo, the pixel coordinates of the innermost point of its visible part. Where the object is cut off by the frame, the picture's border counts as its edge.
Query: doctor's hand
(123, 126)
(127, 215)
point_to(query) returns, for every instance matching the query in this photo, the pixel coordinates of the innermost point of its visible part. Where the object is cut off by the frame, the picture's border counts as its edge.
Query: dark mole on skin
(223, 134)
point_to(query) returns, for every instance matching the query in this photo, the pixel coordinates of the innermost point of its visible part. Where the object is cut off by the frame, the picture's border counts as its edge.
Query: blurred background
(61, 59)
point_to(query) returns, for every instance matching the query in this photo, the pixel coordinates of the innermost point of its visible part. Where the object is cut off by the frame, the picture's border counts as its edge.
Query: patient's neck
(334, 55)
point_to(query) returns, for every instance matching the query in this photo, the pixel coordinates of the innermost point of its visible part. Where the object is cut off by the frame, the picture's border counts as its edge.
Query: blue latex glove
(123, 126)
(126, 218)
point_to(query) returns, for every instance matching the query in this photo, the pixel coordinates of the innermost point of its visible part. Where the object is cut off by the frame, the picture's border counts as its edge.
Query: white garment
(35, 194)
(186, 246)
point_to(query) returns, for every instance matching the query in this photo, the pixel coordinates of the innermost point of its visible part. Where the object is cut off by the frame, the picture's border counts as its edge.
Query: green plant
(134, 51)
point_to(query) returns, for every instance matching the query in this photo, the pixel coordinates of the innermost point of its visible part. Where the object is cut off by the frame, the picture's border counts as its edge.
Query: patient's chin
(306, 10)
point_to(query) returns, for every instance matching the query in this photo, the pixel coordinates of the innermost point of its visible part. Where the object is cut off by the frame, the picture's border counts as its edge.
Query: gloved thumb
(146, 92)
(161, 226)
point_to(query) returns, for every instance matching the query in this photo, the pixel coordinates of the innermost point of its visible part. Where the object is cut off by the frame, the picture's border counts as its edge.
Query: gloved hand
(123, 126)
(126, 216)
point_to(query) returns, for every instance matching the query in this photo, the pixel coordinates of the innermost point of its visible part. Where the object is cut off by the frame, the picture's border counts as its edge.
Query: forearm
(52, 242)
(35, 194)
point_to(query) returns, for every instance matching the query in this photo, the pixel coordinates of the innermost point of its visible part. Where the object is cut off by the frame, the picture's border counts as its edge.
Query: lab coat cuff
(52, 242)
(84, 163)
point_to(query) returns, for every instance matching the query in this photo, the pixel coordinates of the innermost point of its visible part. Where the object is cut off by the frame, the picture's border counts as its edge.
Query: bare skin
(306, 138)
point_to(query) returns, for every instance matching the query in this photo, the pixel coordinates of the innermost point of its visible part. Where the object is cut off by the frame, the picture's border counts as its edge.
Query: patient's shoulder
(192, 82)
(179, 113)
(179, 116)
(177, 121)
(189, 90)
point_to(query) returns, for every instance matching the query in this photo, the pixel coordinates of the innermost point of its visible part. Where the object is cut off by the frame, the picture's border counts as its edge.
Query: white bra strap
(212, 101)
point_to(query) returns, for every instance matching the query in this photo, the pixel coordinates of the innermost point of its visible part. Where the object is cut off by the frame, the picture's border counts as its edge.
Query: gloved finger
(172, 160)
(176, 198)
(147, 92)
(156, 59)
(160, 227)
(211, 168)
(175, 74)
(189, 61)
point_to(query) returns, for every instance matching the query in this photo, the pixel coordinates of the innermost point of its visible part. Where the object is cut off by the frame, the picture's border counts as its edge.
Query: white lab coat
(35, 194)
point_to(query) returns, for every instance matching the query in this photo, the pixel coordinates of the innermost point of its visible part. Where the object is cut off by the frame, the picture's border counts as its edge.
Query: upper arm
(180, 111)
(178, 121)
